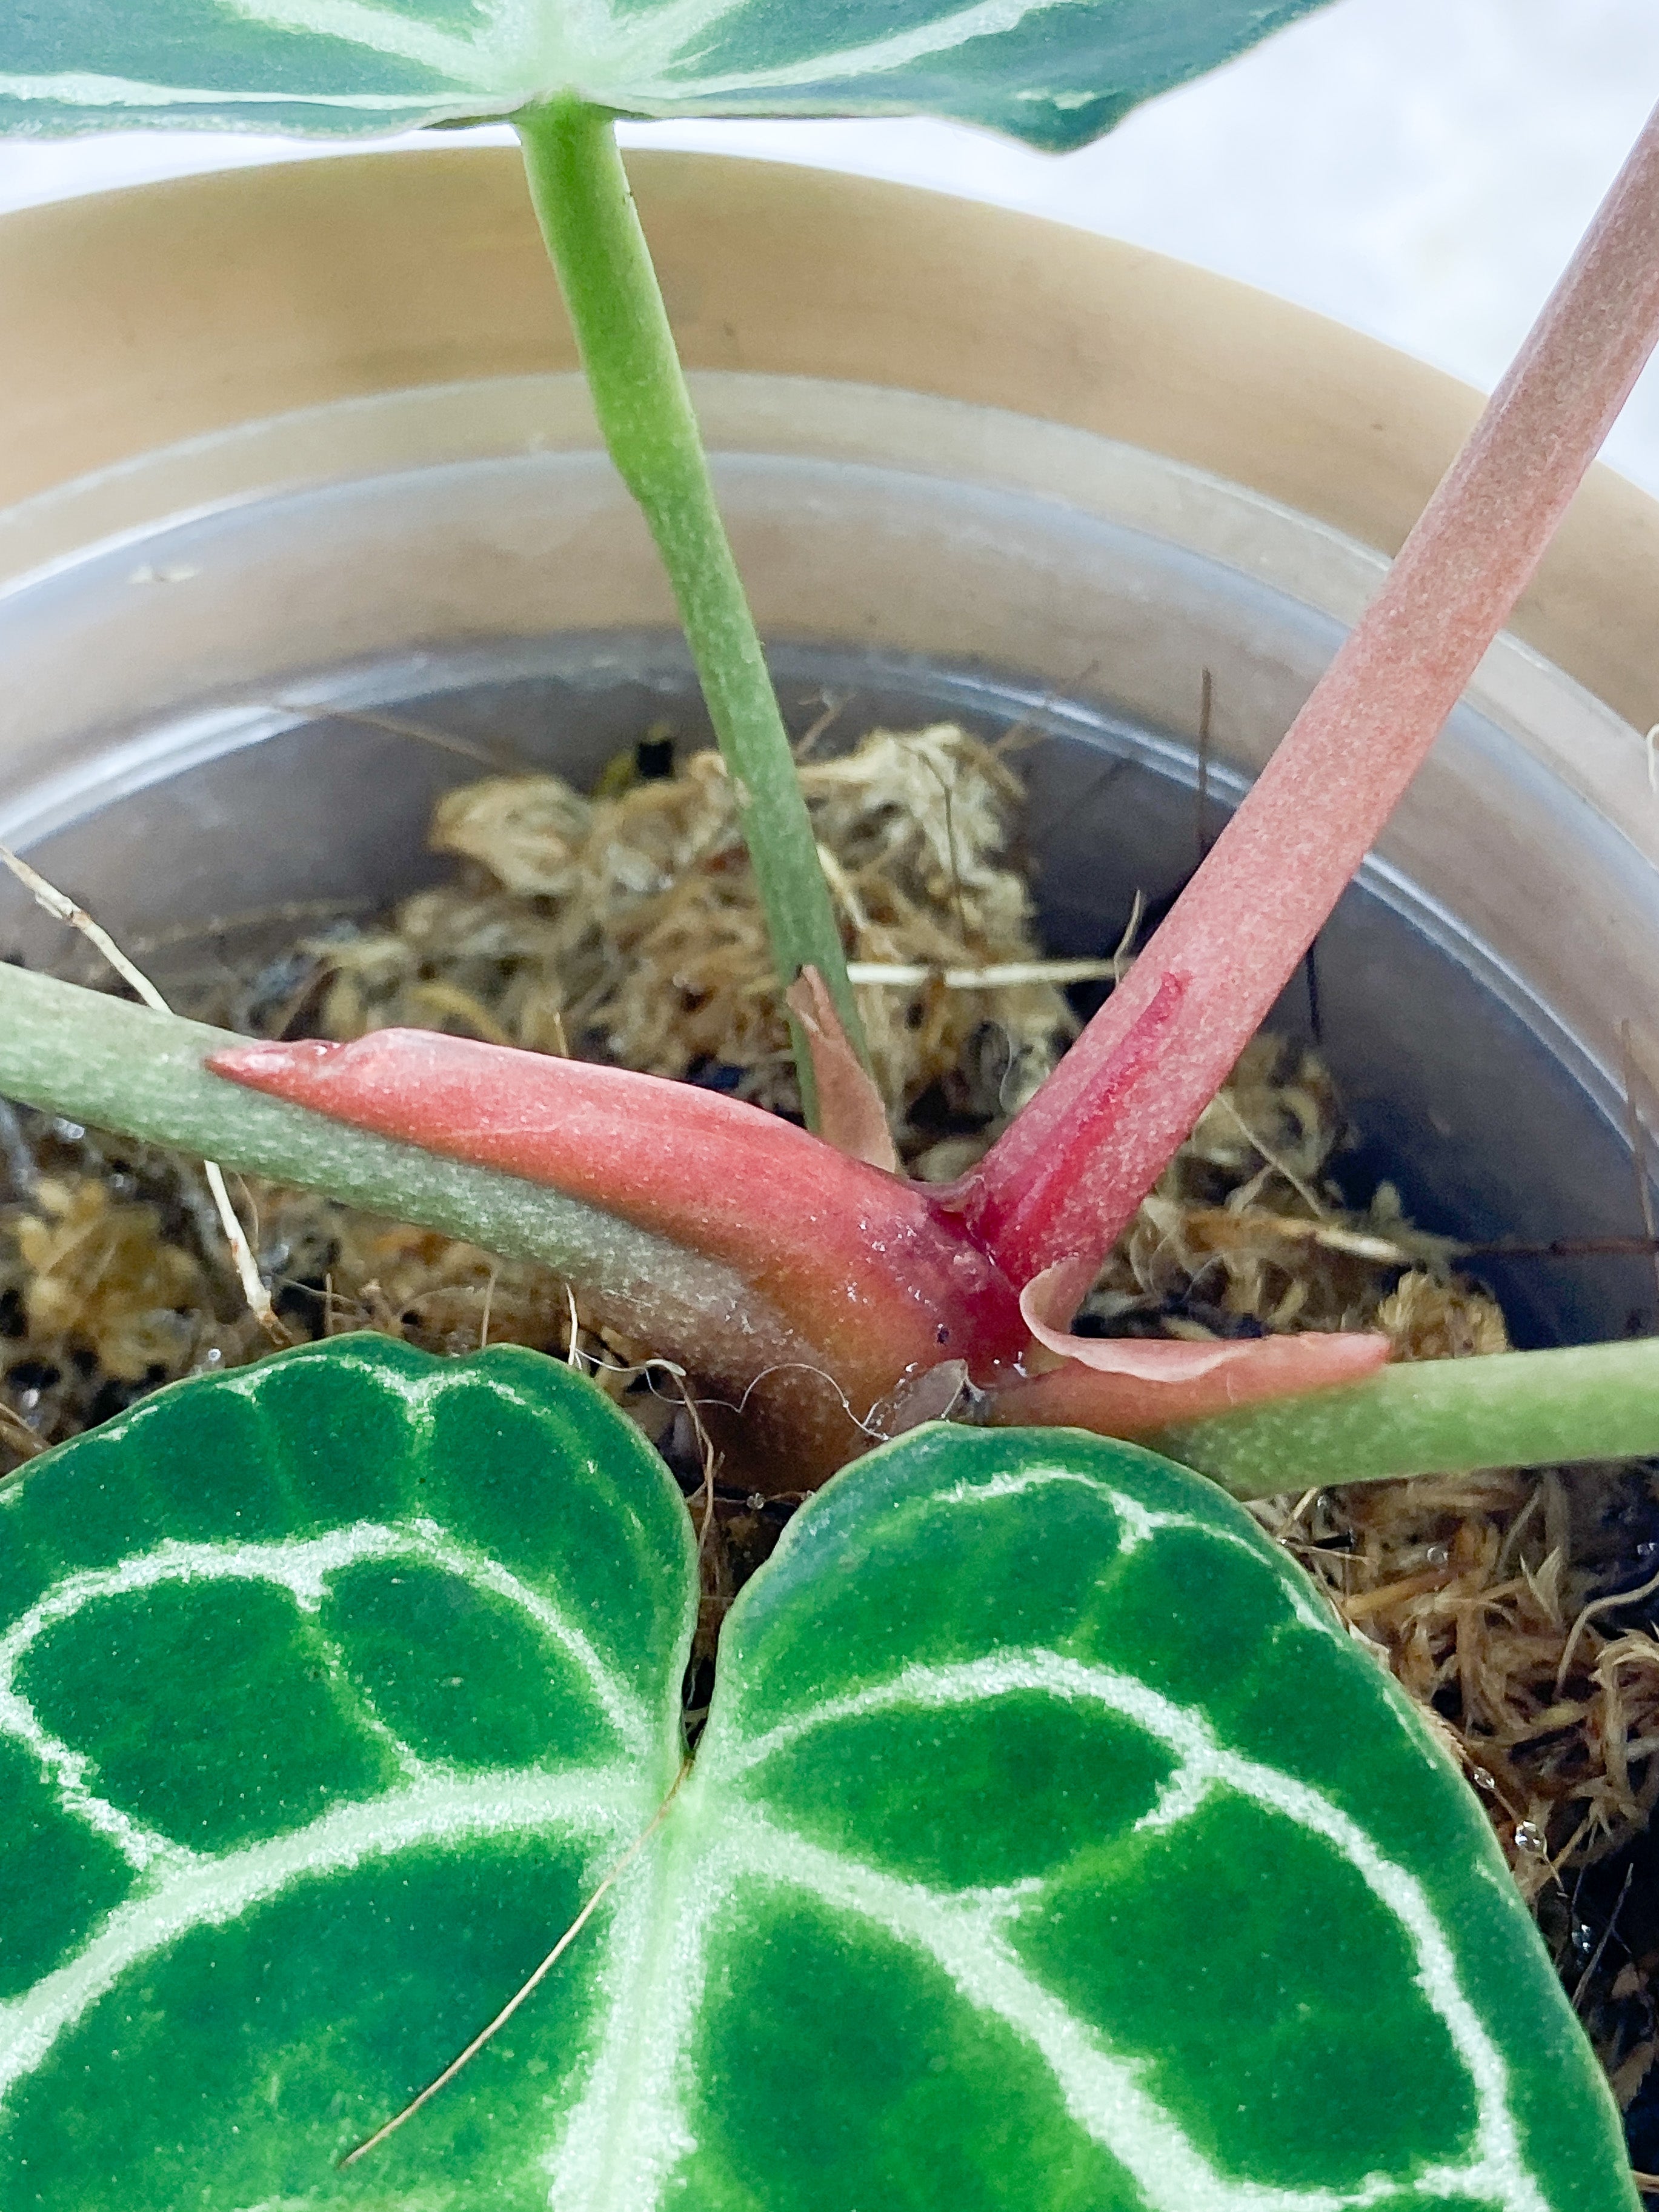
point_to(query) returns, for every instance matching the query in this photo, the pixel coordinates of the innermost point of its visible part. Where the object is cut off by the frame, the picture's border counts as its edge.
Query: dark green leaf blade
(1055, 72)
(331, 1690)
(1031, 1748)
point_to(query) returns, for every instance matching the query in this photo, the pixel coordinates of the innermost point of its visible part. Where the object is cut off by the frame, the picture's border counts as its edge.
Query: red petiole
(1234, 939)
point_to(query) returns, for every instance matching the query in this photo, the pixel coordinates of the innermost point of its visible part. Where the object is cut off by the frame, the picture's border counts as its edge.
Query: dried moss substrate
(624, 928)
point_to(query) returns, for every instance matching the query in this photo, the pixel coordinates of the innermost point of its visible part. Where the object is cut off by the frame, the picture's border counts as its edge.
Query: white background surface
(1419, 168)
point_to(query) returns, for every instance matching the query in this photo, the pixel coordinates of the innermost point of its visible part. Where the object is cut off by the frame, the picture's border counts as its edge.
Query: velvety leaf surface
(328, 1691)
(1049, 1848)
(1058, 72)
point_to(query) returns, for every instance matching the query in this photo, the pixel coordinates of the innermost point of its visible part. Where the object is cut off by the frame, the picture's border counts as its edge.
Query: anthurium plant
(826, 1295)
(1047, 1845)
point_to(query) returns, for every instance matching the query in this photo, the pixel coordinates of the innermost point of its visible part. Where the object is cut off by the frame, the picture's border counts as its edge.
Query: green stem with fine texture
(587, 213)
(1435, 1417)
(138, 1073)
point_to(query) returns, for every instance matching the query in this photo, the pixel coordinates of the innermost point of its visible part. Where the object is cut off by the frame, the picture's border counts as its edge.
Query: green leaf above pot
(1057, 72)
(1049, 1848)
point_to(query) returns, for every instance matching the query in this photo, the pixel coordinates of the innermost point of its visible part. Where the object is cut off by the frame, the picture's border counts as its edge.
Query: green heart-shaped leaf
(1058, 72)
(1050, 1847)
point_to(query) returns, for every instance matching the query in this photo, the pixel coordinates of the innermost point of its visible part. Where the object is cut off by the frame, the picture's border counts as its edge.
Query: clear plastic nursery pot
(293, 455)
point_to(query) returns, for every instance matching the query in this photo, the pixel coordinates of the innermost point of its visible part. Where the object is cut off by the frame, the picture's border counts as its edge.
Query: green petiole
(138, 1073)
(587, 213)
(1435, 1417)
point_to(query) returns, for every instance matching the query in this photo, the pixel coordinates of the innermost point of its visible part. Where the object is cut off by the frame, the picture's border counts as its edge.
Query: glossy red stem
(873, 1283)
(858, 1261)
(1234, 937)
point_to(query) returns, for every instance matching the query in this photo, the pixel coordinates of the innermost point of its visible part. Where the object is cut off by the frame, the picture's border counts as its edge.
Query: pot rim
(145, 318)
